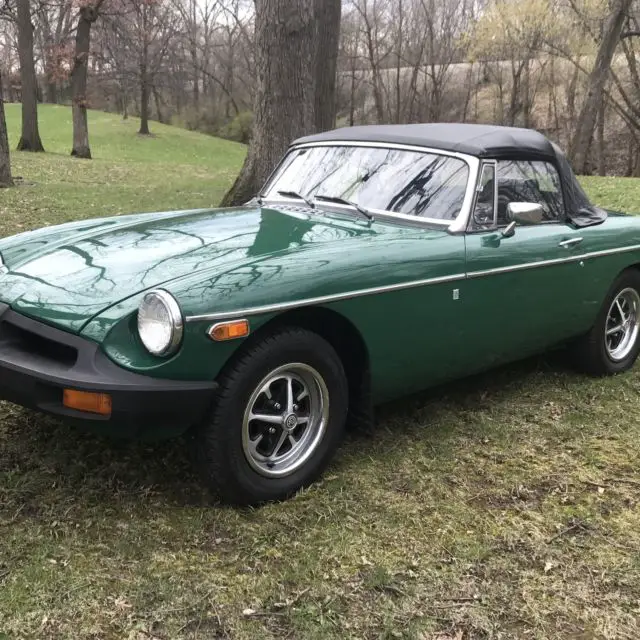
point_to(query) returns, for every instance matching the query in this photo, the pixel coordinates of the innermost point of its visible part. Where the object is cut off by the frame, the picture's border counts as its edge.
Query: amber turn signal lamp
(229, 330)
(85, 401)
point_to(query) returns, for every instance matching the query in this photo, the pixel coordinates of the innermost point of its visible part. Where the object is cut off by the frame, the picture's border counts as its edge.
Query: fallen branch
(461, 599)
(635, 483)
(452, 605)
(573, 527)
(596, 484)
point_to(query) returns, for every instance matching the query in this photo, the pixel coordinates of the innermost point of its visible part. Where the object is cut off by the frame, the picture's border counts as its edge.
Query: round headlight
(160, 323)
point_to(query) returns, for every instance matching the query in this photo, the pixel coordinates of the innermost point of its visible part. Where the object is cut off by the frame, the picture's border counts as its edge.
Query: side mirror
(525, 212)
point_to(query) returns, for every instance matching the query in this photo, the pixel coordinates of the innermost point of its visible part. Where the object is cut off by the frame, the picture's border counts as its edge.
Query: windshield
(413, 183)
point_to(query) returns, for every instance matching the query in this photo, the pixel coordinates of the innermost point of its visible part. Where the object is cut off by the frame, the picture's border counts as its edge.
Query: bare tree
(30, 138)
(611, 31)
(327, 18)
(147, 29)
(54, 25)
(88, 14)
(286, 56)
(377, 48)
(5, 160)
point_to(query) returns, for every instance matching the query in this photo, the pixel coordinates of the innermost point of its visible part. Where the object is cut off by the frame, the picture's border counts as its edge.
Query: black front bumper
(38, 361)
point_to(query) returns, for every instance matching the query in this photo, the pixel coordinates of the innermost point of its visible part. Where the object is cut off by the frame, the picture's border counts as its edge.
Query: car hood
(66, 275)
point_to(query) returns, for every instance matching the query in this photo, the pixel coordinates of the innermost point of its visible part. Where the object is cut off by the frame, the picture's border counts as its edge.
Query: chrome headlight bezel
(175, 322)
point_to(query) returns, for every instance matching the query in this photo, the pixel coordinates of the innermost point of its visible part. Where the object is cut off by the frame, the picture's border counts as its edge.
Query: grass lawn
(503, 506)
(173, 169)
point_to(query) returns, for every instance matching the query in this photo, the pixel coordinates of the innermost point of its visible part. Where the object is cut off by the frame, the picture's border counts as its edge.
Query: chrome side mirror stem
(510, 230)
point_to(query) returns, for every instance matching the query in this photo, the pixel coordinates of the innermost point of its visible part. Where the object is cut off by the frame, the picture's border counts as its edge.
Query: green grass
(503, 506)
(172, 169)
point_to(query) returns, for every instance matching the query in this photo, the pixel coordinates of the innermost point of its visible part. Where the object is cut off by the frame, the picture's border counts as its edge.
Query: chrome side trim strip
(307, 302)
(604, 252)
(546, 263)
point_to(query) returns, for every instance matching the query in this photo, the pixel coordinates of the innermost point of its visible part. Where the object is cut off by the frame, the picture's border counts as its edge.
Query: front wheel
(277, 421)
(613, 344)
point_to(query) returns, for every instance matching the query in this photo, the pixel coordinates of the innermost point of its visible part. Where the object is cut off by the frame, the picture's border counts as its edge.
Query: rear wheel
(277, 421)
(613, 344)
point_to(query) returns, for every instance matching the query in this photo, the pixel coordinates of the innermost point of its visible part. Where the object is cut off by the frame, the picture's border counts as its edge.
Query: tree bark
(144, 100)
(600, 148)
(156, 99)
(88, 15)
(327, 16)
(285, 94)
(30, 138)
(611, 30)
(5, 160)
(193, 46)
(144, 77)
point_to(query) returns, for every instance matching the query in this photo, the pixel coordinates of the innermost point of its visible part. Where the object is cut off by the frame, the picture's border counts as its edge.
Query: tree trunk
(611, 31)
(30, 138)
(81, 149)
(125, 103)
(600, 150)
(285, 94)
(156, 99)
(5, 160)
(399, 61)
(144, 79)
(631, 149)
(52, 92)
(352, 97)
(375, 74)
(144, 101)
(327, 16)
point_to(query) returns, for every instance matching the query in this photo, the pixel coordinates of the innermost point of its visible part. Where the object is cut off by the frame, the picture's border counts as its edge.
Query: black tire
(590, 352)
(219, 448)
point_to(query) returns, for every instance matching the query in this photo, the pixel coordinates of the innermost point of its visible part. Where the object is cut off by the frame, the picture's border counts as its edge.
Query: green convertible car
(375, 262)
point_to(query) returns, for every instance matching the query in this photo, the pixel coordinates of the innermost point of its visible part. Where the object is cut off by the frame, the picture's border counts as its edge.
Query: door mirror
(525, 212)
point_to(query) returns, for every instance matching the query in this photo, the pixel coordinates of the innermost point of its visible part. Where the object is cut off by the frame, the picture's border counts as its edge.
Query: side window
(529, 181)
(484, 210)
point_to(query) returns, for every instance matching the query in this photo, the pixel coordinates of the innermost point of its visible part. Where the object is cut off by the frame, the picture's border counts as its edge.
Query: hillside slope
(172, 169)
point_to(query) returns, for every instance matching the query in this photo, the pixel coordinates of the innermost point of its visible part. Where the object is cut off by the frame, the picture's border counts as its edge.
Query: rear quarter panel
(609, 249)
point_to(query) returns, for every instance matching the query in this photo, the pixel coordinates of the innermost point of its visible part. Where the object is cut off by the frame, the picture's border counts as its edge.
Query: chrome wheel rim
(623, 320)
(285, 420)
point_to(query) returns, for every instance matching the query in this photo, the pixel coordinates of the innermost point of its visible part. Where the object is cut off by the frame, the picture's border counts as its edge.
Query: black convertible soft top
(482, 141)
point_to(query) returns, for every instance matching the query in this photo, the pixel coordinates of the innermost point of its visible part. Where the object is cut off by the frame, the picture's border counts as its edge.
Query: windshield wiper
(298, 196)
(338, 200)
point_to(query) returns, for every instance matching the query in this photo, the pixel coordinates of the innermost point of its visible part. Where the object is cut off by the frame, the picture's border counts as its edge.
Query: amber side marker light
(229, 330)
(86, 401)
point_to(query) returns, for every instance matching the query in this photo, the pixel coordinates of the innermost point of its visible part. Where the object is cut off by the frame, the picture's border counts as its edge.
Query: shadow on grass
(481, 390)
(44, 462)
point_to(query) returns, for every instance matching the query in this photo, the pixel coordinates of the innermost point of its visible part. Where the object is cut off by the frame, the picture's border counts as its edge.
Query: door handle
(571, 242)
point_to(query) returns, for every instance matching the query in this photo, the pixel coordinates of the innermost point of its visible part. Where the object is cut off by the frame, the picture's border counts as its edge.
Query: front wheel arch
(351, 348)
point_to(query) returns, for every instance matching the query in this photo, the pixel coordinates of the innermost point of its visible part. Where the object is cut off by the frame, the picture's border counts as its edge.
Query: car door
(525, 290)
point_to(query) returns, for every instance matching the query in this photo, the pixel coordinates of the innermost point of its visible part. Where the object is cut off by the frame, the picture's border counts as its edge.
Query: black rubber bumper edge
(38, 361)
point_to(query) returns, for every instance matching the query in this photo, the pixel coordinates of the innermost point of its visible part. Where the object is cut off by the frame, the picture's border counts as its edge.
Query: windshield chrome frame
(458, 225)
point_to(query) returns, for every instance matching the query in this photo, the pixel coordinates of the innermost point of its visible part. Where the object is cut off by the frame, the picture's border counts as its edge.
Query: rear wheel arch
(631, 268)
(590, 352)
